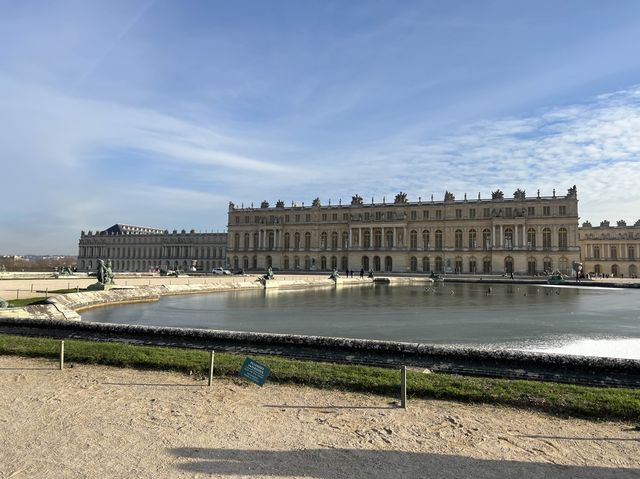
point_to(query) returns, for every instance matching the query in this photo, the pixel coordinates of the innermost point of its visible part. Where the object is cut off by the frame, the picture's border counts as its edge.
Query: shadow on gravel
(357, 463)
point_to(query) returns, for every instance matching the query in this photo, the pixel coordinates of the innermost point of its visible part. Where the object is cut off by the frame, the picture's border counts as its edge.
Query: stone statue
(268, 274)
(448, 196)
(334, 274)
(104, 275)
(401, 198)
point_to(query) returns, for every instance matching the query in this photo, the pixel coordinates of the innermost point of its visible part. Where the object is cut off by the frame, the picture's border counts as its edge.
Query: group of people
(349, 273)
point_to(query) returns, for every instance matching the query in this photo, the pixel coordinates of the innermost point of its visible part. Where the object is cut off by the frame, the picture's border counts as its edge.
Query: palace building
(610, 250)
(523, 235)
(138, 248)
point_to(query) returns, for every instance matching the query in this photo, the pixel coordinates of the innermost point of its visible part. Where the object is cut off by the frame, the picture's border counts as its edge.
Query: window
(486, 239)
(413, 264)
(426, 238)
(413, 240)
(546, 210)
(297, 218)
(458, 213)
(438, 239)
(472, 266)
(323, 240)
(426, 266)
(379, 216)
(307, 240)
(389, 215)
(414, 216)
(334, 240)
(562, 238)
(531, 238)
(472, 213)
(487, 212)
(596, 252)
(425, 215)
(562, 210)
(296, 240)
(334, 216)
(438, 214)
(237, 220)
(486, 265)
(473, 239)
(287, 239)
(345, 216)
(631, 252)
(508, 212)
(614, 252)
(367, 216)
(458, 240)
(307, 218)
(531, 211)
(546, 237)
(324, 217)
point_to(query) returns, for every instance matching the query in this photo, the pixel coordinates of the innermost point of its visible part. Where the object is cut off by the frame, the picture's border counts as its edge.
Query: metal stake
(211, 358)
(403, 387)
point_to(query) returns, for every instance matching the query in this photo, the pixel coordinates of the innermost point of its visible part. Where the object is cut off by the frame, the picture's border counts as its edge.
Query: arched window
(388, 264)
(547, 264)
(334, 263)
(473, 240)
(531, 238)
(413, 239)
(323, 241)
(334, 240)
(508, 238)
(458, 239)
(508, 265)
(389, 239)
(413, 264)
(546, 238)
(614, 270)
(245, 262)
(366, 237)
(426, 239)
(235, 262)
(256, 241)
(426, 265)
(486, 265)
(376, 263)
(287, 241)
(633, 271)
(323, 263)
(597, 270)
(246, 241)
(439, 267)
(236, 239)
(365, 263)
(531, 266)
(563, 265)
(438, 239)
(345, 263)
(271, 240)
(377, 240)
(473, 266)
(345, 240)
(562, 238)
(458, 264)
(631, 253)
(285, 262)
(296, 263)
(307, 240)
(296, 240)
(486, 240)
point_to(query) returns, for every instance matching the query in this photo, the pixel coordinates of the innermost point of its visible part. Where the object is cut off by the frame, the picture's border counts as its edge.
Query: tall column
(350, 237)
(395, 241)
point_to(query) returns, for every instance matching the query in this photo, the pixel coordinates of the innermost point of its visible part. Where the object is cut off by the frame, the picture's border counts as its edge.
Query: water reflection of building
(138, 248)
(610, 250)
(498, 235)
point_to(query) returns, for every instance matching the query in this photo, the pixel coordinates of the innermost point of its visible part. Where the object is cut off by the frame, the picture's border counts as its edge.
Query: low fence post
(403, 387)
(61, 355)
(211, 358)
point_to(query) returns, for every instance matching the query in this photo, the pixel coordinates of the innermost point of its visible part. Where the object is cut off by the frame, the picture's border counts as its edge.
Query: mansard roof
(121, 229)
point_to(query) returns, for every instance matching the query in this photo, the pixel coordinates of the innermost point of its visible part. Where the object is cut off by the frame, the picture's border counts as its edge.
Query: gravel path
(96, 421)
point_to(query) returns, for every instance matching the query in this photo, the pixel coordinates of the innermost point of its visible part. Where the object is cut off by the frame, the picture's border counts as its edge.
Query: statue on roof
(401, 198)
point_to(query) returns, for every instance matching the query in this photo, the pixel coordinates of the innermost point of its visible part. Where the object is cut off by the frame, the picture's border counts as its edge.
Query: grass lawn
(553, 398)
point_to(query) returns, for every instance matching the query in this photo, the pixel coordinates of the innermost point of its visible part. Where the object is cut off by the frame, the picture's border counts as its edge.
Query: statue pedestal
(99, 287)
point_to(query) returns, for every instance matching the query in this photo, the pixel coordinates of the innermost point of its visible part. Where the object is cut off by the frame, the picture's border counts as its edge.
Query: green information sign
(254, 371)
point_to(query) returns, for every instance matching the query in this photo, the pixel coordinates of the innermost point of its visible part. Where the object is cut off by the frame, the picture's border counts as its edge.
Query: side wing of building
(608, 250)
(142, 249)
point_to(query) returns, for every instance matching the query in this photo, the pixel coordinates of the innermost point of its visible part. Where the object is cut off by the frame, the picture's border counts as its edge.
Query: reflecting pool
(586, 321)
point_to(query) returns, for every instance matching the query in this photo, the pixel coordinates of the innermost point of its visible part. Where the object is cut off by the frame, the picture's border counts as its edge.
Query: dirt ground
(96, 421)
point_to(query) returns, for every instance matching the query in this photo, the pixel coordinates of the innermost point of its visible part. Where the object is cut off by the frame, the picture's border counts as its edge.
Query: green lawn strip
(554, 398)
(18, 303)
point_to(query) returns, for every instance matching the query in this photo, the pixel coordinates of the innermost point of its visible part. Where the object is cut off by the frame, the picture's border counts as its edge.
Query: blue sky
(159, 113)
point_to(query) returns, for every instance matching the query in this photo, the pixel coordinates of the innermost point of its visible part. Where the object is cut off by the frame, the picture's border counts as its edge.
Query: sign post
(254, 371)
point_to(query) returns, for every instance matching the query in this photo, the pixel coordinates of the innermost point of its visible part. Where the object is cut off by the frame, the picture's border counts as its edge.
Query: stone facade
(138, 248)
(610, 250)
(524, 235)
